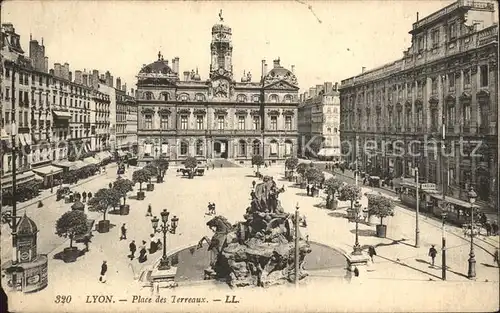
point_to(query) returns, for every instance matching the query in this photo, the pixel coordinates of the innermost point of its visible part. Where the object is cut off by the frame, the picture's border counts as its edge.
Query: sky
(325, 40)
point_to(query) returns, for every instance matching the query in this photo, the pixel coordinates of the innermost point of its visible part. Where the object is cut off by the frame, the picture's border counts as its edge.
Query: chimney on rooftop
(276, 63)
(363, 69)
(336, 86)
(417, 16)
(293, 69)
(328, 87)
(118, 83)
(263, 68)
(186, 75)
(78, 77)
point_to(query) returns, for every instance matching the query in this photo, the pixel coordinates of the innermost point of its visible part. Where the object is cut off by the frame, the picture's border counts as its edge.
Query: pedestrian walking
(213, 166)
(148, 213)
(253, 184)
(495, 258)
(84, 196)
(159, 244)
(89, 195)
(104, 269)
(152, 244)
(432, 253)
(132, 248)
(212, 211)
(86, 241)
(221, 166)
(487, 227)
(372, 252)
(313, 190)
(124, 232)
(494, 228)
(308, 188)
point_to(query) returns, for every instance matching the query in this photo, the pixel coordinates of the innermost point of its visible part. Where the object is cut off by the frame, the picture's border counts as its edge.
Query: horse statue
(222, 228)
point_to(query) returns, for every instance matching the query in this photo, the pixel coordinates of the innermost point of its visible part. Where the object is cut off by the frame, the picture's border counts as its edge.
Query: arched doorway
(220, 148)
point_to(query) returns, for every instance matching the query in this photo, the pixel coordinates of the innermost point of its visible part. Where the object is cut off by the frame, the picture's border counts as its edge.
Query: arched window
(164, 148)
(165, 96)
(241, 98)
(273, 148)
(256, 147)
(184, 97)
(273, 98)
(200, 97)
(329, 130)
(148, 96)
(288, 147)
(242, 148)
(184, 148)
(199, 147)
(287, 99)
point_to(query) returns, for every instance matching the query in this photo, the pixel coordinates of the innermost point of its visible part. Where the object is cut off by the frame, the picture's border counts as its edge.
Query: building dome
(26, 226)
(157, 67)
(278, 73)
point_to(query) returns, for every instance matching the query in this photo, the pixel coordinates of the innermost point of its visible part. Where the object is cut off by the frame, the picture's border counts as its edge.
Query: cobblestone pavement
(398, 264)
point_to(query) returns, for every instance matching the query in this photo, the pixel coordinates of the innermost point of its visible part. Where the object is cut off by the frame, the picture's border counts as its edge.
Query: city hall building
(448, 76)
(181, 115)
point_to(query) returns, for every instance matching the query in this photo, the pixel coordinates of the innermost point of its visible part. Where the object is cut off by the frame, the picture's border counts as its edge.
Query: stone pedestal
(358, 260)
(163, 275)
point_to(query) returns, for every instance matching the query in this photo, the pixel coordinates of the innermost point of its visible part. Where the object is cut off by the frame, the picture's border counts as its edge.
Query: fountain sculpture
(260, 250)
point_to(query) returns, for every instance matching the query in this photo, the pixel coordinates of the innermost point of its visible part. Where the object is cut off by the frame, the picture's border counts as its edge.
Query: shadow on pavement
(402, 241)
(60, 255)
(410, 267)
(364, 232)
(304, 194)
(338, 214)
(489, 265)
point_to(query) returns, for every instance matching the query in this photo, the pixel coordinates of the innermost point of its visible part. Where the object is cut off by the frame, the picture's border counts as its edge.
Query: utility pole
(443, 150)
(417, 229)
(356, 173)
(297, 255)
(443, 249)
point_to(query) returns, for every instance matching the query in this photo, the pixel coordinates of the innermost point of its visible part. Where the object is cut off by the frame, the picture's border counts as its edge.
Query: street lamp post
(297, 254)
(443, 252)
(417, 229)
(51, 181)
(472, 258)
(357, 248)
(164, 228)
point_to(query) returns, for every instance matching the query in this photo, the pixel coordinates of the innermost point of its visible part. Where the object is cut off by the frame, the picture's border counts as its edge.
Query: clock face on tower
(221, 71)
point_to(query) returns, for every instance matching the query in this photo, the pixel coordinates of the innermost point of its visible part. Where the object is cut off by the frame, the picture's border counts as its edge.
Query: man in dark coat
(308, 188)
(84, 196)
(432, 253)
(104, 269)
(124, 232)
(371, 252)
(132, 248)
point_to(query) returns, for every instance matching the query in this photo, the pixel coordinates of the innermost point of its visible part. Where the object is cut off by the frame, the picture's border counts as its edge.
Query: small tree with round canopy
(258, 161)
(72, 224)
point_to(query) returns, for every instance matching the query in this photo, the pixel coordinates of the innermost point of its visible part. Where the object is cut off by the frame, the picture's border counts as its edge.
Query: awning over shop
(454, 201)
(90, 160)
(328, 152)
(71, 165)
(47, 170)
(62, 114)
(20, 179)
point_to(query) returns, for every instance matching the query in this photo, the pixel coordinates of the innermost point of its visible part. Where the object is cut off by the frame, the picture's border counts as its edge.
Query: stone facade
(447, 80)
(181, 115)
(319, 122)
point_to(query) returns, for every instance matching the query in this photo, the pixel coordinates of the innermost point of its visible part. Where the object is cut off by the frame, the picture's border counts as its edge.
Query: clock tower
(221, 49)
